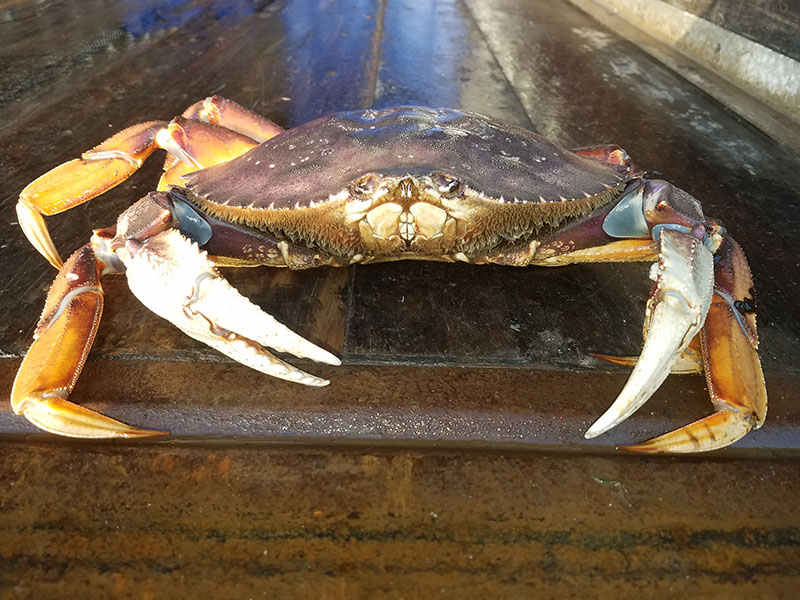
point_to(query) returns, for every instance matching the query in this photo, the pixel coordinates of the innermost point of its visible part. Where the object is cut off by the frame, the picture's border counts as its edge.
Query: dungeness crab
(380, 185)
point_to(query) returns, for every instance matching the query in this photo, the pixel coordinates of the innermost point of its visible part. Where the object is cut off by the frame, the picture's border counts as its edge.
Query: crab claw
(733, 372)
(676, 311)
(176, 280)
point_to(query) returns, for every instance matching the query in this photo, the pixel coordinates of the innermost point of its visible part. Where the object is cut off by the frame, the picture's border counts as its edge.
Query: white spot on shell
(272, 166)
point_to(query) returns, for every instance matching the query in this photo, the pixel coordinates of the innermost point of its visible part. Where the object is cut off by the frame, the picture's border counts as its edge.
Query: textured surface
(451, 355)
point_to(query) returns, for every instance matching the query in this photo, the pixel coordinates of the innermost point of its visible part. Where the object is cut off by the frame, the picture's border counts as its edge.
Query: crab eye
(446, 185)
(366, 186)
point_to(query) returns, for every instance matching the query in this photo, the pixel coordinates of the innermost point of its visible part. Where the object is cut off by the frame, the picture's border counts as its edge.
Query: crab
(381, 185)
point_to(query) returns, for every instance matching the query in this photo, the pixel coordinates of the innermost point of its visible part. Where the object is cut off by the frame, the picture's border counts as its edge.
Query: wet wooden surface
(434, 355)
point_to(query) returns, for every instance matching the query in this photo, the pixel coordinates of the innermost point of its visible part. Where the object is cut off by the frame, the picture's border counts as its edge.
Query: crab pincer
(175, 279)
(676, 310)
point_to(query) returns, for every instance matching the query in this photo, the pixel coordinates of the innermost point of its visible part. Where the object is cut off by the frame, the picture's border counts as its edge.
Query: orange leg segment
(61, 344)
(219, 111)
(197, 145)
(82, 179)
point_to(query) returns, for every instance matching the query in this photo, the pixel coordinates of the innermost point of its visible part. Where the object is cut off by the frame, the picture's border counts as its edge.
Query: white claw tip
(596, 429)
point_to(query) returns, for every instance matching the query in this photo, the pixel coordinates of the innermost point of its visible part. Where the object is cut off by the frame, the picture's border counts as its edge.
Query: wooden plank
(130, 521)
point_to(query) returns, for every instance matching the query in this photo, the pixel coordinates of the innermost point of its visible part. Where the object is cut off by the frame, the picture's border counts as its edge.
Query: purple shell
(320, 158)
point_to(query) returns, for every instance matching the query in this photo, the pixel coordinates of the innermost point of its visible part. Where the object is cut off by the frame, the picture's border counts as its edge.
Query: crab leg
(611, 154)
(62, 340)
(691, 361)
(79, 180)
(193, 145)
(226, 113)
(223, 131)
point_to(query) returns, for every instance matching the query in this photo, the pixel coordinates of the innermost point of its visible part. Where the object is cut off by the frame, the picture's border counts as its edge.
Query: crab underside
(371, 186)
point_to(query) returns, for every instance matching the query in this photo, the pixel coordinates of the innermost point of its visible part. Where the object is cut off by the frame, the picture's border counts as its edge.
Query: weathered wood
(292, 522)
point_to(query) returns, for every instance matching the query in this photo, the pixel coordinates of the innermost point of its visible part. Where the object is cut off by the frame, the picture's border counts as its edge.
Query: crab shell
(406, 182)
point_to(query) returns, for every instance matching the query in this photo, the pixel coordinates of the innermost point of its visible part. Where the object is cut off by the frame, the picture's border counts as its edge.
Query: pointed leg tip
(135, 433)
(62, 417)
(33, 226)
(624, 361)
(644, 448)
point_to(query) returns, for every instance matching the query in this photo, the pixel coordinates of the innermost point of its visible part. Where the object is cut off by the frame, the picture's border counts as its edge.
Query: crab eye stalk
(365, 186)
(447, 186)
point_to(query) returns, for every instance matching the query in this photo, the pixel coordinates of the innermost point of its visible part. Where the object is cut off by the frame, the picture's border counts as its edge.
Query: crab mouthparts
(402, 218)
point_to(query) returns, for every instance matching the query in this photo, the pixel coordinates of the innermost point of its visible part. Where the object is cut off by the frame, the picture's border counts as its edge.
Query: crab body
(370, 186)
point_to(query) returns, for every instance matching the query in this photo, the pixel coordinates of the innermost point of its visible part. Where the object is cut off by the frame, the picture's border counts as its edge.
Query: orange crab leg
(82, 179)
(610, 153)
(691, 360)
(194, 145)
(223, 130)
(219, 111)
(733, 370)
(62, 340)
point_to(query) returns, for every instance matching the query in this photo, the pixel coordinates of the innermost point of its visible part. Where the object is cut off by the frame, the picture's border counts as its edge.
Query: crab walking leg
(690, 361)
(216, 110)
(675, 313)
(733, 370)
(176, 280)
(82, 179)
(194, 145)
(62, 341)
(609, 153)
(227, 131)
